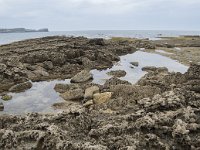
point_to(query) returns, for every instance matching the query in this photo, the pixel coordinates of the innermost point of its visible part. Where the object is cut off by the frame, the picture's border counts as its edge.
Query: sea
(6, 38)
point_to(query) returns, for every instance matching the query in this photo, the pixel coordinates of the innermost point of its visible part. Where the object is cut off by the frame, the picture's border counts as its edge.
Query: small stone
(90, 91)
(6, 97)
(100, 98)
(136, 64)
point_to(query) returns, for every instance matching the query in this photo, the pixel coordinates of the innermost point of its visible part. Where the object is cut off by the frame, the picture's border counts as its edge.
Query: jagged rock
(76, 94)
(89, 92)
(100, 98)
(21, 87)
(117, 73)
(82, 76)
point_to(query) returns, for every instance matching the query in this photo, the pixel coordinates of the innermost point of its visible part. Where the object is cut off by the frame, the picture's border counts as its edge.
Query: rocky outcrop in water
(142, 116)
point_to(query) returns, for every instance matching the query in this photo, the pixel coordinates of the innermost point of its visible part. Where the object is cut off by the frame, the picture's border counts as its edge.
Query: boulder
(76, 94)
(21, 87)
(89, 92)
(82, 76)
(100, 98)
(2, 67)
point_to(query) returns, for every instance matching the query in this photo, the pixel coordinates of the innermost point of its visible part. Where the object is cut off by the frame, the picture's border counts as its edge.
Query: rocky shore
(185, 49)
(160, 111)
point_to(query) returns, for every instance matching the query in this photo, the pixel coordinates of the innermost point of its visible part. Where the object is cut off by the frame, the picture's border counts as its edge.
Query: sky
(67, 15)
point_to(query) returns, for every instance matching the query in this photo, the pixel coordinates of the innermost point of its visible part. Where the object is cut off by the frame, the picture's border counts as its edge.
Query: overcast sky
(101, 14)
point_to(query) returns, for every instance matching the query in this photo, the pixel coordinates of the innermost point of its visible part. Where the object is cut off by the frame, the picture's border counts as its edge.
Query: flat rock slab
(82, 76)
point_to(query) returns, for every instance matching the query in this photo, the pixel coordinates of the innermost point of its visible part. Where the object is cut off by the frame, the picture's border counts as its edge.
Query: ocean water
(6, 38)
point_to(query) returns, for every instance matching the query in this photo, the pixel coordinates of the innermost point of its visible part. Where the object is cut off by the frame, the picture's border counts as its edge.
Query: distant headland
(22, 30)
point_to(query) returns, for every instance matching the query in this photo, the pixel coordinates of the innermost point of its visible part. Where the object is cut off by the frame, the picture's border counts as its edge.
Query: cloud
(100, 14)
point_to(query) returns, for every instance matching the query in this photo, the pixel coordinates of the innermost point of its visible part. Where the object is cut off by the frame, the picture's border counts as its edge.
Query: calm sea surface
(6, 38)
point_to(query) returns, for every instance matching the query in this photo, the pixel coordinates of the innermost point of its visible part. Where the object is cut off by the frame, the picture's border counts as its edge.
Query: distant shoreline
(23, 30)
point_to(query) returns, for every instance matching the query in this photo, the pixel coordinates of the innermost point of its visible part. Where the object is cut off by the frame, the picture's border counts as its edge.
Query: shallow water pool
(134, 74)
(42, 95)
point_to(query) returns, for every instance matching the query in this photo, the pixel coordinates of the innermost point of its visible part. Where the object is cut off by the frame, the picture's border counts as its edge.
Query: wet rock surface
(56, 57)
(142, 116)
